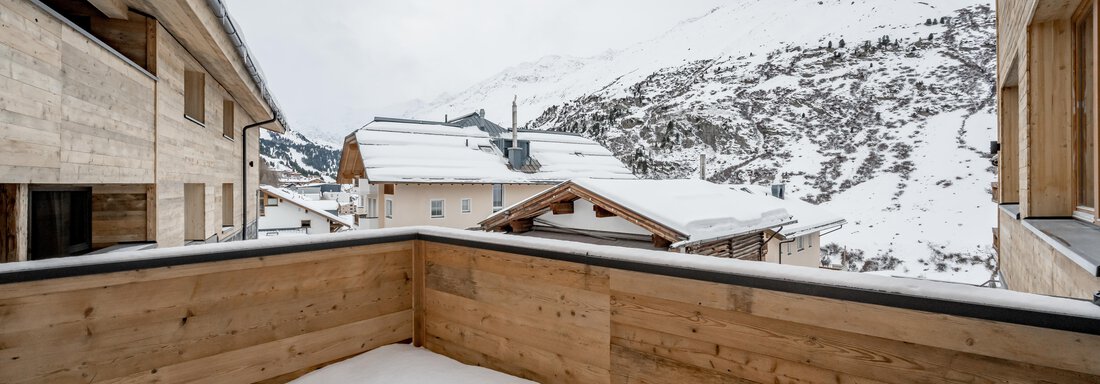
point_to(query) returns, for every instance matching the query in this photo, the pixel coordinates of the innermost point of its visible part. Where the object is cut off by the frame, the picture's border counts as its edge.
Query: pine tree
(830, 45)
(841, 43)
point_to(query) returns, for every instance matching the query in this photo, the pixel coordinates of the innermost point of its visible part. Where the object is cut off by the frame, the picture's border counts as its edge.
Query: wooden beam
(601, 212)
(387, 189)
(114, 9)
(660, 242)
(420, 276)
(14, 202)
(521, 226)
(562, 208)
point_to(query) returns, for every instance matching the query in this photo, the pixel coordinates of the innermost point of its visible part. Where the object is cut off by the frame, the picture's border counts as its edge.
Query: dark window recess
(61, 224)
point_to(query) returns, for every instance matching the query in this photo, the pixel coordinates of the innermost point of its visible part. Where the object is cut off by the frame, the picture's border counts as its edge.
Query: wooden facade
(1047, 116)
(275, 313)
(103, 107)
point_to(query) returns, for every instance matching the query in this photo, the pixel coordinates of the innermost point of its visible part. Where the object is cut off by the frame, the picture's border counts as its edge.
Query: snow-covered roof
(699, 209)
(811, 218)
(394, 151)
(321, 207)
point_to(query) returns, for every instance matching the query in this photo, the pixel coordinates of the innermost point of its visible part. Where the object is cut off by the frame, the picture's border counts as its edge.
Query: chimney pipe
(702, 166)
(515, 140)
(445, 119)
(481, 112)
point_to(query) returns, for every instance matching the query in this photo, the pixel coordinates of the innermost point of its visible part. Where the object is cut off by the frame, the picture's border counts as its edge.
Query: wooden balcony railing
(557, 312)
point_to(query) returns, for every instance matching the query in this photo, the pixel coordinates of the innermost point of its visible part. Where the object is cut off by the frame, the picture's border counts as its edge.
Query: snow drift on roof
(405, 152)
(699, 209)
(811, 218)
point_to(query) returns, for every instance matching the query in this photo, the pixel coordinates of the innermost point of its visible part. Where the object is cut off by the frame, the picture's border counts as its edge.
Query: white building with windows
(454, 174)
(286, 213)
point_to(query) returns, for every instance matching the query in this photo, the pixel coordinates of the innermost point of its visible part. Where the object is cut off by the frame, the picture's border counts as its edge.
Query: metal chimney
(780, 191)
(702, 166)
(515, 142)
(481, 112)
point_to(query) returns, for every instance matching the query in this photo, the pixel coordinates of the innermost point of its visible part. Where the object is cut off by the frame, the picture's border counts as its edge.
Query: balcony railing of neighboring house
(548, 310)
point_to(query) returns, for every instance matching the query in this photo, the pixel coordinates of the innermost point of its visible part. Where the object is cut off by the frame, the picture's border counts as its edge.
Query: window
(194, 212)
(436, 208)
(227, 204)
(307, 223)
(466, 205)
(1085, 135)
(372, 207)
(271, 201)
(60, 222)
(801, 243)
(194, 96)
(227, 119)
(498, 197)
(389, 209)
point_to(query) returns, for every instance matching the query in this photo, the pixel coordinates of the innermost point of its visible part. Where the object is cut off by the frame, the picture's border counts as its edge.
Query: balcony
(547, 310)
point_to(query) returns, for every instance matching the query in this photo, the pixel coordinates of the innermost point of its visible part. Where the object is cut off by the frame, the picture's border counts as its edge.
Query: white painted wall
(411, 203)
(808, 256)
(289, 215)
(583, 217)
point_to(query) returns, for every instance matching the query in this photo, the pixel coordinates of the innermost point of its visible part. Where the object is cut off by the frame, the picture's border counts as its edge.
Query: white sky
(334, 64)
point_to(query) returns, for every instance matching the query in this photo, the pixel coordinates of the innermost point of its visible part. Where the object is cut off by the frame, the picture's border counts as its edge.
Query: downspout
(764, 248)
(244, 173)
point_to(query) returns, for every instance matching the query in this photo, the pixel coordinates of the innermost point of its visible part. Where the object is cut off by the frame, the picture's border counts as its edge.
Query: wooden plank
(582, 344)
(875, 358)
(631, 367)
(602, 212)
(115, 9)
(14, 203)
(710, 358)
(562, 207)
(419, 279)
(521, 226)
(948, 332)
(573, 275)
(518, 352)
(275, 358)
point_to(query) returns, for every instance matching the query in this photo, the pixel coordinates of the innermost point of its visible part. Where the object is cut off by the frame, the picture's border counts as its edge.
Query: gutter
(250, 65)
(244, 174)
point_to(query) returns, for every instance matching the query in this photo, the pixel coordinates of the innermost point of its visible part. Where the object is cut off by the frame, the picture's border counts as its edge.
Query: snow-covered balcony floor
(545, 310)
(405, 364)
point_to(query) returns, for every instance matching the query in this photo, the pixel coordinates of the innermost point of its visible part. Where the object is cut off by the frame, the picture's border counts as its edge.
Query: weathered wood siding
(540, 319)
(188, 152)
(237, 321)
(70, 111)
(1035, 266)
(561, 322)
(119, 214)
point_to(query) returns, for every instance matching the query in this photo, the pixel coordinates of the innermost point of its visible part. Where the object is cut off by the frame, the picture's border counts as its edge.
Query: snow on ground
(405, 364)
(947, 189)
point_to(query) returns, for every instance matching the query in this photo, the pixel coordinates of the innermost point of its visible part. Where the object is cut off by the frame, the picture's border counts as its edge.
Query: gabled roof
(417, 151)
(319, 207)
(682, 211)
(811, 218)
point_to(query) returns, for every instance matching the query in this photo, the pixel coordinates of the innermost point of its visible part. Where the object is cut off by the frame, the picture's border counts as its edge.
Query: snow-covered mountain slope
(875, 109)
(293, 151)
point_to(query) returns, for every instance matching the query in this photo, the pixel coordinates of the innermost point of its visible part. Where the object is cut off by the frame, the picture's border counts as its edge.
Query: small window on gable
(228, 108)
(437, 208)
(194, 95)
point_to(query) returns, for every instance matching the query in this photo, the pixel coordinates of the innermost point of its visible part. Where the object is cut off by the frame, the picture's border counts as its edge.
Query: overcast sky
(334, 64)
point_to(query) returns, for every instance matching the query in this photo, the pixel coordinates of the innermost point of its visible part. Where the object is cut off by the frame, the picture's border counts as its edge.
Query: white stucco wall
(790, 254)
(583, 217)
(287, 215)
(411, 203)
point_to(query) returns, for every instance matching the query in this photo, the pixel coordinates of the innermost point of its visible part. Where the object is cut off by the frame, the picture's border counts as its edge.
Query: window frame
(389, 208)
(228, 118)
(496, 188)
(194, 91)
(442, 208)
(466, 205)
(1085, 15)
(372, 207)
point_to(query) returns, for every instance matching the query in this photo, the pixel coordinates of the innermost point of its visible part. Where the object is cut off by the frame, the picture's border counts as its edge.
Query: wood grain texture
(545, 320)
(234, 321)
